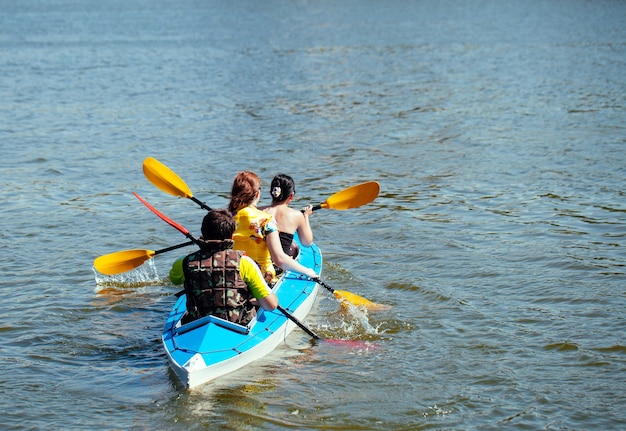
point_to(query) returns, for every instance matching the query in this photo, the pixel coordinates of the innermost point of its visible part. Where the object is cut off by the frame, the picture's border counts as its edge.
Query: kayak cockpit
(208, 319)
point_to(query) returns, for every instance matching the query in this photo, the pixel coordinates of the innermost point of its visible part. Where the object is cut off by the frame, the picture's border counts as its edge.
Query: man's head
(218, 225)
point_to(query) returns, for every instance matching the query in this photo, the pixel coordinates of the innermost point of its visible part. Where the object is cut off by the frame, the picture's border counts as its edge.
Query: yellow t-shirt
(253, 225)
(248, 270)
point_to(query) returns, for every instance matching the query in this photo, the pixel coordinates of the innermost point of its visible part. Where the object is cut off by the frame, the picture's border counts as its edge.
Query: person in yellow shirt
(256, 232)
(219, 280)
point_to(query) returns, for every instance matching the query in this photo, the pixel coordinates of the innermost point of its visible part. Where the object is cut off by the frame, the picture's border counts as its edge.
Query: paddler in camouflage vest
(219, 280)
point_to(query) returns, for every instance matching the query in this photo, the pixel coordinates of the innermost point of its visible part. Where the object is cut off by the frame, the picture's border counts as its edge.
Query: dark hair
(282, 187)
(218, 225)
(245, 187)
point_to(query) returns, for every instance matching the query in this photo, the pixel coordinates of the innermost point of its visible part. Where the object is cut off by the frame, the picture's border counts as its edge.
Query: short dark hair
(218, 224)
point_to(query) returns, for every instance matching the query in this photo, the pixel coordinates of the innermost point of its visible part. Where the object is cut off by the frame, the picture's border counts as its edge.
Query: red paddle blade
(163, 216)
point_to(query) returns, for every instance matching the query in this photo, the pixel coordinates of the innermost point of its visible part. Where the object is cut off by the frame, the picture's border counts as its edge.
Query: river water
(495, 128)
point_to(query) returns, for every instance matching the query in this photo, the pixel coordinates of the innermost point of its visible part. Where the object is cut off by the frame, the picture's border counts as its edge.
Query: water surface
(496, 131)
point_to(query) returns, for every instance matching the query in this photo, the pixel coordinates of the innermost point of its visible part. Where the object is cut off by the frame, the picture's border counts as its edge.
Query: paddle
(352, 197)
(351, 298)
(297, 322)
(348, 343)
(165, 179)
(186, 233)
(122, 261)
(168, 181)
(166, 219)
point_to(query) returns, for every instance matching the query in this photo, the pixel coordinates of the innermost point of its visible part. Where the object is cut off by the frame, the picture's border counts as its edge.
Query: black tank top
(289, 246)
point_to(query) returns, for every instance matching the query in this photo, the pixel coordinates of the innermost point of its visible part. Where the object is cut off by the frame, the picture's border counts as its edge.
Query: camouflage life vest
(213, 286)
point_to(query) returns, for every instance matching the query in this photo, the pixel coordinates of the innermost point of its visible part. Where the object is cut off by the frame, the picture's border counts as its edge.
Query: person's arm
(177, 275)
(283, 260)
(251, 274)
(269, 303)
(305, 233)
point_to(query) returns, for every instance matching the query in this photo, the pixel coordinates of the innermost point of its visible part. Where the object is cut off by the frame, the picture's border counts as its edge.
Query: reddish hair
(245, 187)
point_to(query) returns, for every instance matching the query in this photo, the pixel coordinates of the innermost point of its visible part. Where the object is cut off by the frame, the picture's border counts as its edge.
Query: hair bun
(276, 192)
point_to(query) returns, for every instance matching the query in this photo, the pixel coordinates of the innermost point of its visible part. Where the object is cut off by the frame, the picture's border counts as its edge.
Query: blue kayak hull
(210, 347)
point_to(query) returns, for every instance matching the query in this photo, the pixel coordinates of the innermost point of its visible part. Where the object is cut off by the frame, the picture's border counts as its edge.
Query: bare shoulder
(269, 209)
(295, 214)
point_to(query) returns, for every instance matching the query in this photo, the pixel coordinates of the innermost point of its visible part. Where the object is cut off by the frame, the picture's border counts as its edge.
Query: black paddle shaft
(299, 323)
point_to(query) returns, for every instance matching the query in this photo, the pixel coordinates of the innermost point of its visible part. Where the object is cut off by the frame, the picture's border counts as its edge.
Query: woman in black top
(288, 219)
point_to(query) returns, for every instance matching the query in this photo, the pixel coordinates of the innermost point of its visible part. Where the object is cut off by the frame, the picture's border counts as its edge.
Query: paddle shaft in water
(298, 322)
(349, 343)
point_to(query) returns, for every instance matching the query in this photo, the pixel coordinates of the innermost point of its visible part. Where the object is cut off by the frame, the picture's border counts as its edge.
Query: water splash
(358, 319)
(110, 289)
(352, 323)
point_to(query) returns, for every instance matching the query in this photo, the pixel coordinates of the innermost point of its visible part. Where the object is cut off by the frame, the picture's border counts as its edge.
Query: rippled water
(496, 131)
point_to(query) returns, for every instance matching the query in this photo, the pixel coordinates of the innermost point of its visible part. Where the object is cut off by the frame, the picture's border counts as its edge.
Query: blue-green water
(496, 131)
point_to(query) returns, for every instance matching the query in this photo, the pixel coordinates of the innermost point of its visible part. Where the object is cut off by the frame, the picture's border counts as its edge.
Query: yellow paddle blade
(353, 197)
(165, 179)
(121, 261)
(356, 300)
